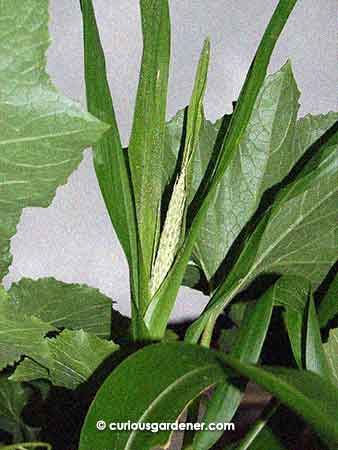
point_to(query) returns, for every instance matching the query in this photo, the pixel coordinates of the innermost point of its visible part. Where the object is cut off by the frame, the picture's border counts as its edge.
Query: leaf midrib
(153, 404)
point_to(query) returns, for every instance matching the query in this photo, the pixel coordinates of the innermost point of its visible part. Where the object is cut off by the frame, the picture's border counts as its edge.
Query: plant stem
(208, 330)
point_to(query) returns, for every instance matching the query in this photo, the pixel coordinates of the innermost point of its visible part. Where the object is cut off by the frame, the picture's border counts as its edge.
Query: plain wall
(72, 240)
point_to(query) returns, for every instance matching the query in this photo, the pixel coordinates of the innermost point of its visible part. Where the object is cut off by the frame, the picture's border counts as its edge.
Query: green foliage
(247, 348)
(328, 308)
(13, 399)
(63, 305)
(43, 133)
(130, 393)
(331, 350)
(243, 209)
(72, 358)
(189, 369)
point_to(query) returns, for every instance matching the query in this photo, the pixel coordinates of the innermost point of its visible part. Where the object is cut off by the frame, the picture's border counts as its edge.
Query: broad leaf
(264, 157)
(63, 305)
(297, 237)
(76, 355)
(156, 383)
(42, 132)
(281, 141)
(153, 385)
(30, 370)
(331, 350)
(310, 128)
(163, 302)
(328, 307)
(146, 145)
(20, 334)
(247, 347)
(13, 399)
(73, 358)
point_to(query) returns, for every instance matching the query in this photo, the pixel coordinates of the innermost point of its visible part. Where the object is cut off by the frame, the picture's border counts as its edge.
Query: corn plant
(243, 210)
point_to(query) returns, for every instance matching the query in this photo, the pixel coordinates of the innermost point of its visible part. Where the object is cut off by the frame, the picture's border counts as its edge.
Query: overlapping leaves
(264, 158)
(72, 358)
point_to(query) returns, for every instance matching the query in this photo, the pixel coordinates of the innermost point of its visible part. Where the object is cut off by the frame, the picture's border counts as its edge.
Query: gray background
(72, 239)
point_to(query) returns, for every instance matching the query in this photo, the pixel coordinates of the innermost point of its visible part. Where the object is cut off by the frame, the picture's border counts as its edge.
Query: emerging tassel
(173, 229)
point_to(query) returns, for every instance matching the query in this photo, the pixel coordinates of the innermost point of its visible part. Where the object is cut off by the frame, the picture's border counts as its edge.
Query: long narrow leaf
(174, 225)
(260, 436)
(328, 307)
(156, 383)
(315, 358)
(311, 396)
(163, 302)
(147, 138)
(110, 161)
(226, 398)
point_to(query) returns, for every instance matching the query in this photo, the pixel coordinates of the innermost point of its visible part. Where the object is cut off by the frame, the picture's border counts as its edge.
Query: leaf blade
(109, 157)
(73, 357)
(146, 145)
(163, 302)
(63, 305)
(43, 133)
(247, 347)
(189, 369)
(158, 390)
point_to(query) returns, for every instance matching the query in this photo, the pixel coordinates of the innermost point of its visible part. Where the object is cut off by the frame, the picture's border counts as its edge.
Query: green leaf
(281, 140)
(76, 355)
(156, 383)
(73, 358)
(194, 278)
(13, 399)
(296, 237)
(163, 302)
(153, 385)
(264, 440)
(146, 145)
(265, 155)
(328, 307)
(299, 236)
(63, 305)
(311, 128)
(30, 370)
(110, 159)
(292, 293)
(260, 436)
(20, 335)
(308, 394)
(315, 358)
(42, 132)
(331, 350)
(247, 347)
(173, 230)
